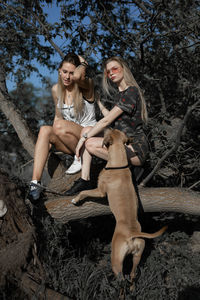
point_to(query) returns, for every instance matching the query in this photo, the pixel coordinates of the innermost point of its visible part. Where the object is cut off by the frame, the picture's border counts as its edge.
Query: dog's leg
(118, 253)
(96, 193)
(137, 250)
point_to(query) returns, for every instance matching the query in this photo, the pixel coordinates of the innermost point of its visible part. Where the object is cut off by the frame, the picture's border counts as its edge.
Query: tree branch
(109, 26)
(14, 116)
(174, 148)
(46, 33)
(45, 30)
(162, 99)
(141, 5)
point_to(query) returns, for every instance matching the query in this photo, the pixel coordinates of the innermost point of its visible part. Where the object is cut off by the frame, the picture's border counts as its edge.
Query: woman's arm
(106, 121)
(85, 83)
(102, 108)
(58, 115)
(100, 125)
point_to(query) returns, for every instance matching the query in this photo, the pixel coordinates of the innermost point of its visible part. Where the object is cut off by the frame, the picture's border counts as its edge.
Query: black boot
(78, 186)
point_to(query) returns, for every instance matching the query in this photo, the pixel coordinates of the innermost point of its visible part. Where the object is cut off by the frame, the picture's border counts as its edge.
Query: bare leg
(86, 159)
(86, 164)
(42, 148)
(94, 147)
(46, 138)
(135, 161)
(68, 132)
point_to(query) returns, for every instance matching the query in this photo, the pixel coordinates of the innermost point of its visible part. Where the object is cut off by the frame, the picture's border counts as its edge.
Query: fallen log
(153, 200)
(163, 199)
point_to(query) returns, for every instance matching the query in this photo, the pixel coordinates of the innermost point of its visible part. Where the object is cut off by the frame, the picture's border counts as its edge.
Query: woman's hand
(80, 72)
(80, 144)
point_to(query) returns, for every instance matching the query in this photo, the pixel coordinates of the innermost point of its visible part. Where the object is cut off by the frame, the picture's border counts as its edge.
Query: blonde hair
(130, 81)
(77, 95)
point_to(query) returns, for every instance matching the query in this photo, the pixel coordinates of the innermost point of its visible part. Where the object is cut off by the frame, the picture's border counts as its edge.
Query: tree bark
(153, 200)
(14, 116)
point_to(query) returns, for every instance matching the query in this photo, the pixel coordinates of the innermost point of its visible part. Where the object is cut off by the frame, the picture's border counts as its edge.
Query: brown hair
(73, 59)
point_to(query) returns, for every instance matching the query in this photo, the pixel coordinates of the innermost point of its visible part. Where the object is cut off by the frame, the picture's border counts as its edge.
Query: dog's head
(112, 136)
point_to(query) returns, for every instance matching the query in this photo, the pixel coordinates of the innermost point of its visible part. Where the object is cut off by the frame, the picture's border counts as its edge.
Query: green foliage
(20, 40)
(159, 40)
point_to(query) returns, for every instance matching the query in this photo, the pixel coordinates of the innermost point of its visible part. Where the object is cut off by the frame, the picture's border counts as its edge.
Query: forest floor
(76, 259)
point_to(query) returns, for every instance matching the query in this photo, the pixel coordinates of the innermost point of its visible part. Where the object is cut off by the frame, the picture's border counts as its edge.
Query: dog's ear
(108, 140)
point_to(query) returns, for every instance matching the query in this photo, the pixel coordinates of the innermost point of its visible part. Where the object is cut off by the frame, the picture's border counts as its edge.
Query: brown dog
(115, 181)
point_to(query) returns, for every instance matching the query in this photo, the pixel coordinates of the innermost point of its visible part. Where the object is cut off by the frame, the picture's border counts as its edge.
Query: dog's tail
(149, 235)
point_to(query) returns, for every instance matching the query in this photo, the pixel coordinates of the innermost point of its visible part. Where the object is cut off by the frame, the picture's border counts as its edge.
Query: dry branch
(42, 26)
(176, 144)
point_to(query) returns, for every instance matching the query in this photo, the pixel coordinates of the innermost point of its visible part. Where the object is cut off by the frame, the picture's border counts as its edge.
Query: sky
(53, 12)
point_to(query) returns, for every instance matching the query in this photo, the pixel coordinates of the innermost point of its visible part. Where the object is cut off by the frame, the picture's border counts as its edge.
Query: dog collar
(116, 168)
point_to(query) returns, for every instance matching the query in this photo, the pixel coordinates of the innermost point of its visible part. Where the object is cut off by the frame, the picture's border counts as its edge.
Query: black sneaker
(78, 186)
(35, 190)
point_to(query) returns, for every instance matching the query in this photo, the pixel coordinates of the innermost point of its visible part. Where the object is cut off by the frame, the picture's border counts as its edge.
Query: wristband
(83, 63)
(85, 135)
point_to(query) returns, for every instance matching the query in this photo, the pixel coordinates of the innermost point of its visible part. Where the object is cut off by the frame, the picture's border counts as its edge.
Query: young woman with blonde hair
(129, 114)
(73, 97)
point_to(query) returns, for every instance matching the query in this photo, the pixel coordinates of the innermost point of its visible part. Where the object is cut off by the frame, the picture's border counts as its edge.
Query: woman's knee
(133, 156)
(91, 145)
(45, 131)
(63, 127)
(58, 127)
(135, 161)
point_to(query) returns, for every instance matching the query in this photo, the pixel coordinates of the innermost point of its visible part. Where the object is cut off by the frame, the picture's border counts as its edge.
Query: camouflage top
(130, 120)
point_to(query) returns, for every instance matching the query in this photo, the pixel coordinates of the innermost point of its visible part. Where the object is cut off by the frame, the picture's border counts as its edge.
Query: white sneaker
(75, 166)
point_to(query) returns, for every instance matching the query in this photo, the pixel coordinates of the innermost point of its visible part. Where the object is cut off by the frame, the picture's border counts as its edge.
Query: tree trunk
(14, 116)
(23, 131)
(153, 200)
(19, 263)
